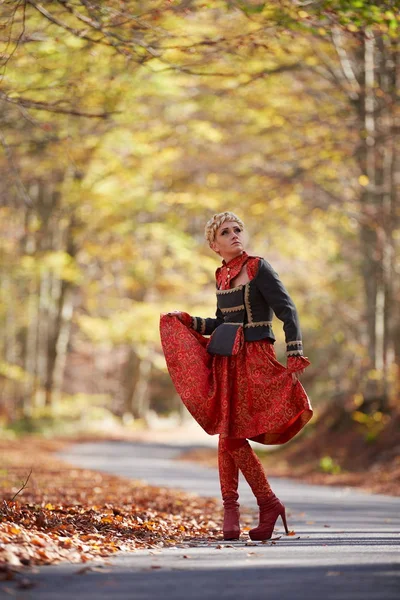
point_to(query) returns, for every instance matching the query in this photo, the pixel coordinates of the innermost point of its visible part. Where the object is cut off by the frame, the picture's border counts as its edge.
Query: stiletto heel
(283, 516)
(270, 509)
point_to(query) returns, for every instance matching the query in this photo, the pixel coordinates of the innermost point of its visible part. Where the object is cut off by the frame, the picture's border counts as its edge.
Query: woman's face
(229, 239)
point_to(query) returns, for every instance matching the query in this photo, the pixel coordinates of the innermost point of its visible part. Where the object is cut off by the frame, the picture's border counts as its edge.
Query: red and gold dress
(245, 395)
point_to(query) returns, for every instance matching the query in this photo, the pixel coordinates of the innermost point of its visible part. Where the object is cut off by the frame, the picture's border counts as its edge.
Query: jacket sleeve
(207, 326)
(276, 295)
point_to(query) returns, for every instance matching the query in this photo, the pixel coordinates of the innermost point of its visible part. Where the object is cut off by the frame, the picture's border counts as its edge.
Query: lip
(236, 243)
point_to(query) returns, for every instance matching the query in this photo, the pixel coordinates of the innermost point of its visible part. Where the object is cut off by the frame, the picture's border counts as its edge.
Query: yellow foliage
(375, 374)
(358, 399)
(62, 264)
(139, 185)
(363, 180)
(207, 131)
(360, 417)
(13, 372)
(258, 209)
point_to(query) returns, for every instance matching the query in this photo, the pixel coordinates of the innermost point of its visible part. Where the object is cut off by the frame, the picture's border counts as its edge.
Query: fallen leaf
(106, 520)
(79, 515)
(15, 529)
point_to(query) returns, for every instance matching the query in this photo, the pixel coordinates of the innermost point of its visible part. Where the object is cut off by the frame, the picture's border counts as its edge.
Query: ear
(214, 247)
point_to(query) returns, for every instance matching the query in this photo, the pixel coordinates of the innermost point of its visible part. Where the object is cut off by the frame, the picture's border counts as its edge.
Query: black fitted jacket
(253, 305)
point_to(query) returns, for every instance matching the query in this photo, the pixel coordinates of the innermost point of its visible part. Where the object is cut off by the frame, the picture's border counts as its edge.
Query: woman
(232, 383)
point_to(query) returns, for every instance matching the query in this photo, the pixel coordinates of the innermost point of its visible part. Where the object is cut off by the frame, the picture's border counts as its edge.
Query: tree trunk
(129, 380)
(377, 161)
(62, 342)
(141, 397)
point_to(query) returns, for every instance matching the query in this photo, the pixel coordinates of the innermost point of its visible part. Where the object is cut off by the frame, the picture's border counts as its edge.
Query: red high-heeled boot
(270, 506)
(231, 525)
(270, 509)
(229, 481)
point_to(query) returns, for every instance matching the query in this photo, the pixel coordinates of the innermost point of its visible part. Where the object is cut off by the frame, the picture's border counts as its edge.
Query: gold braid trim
(294, 343)
(235, 289)
(233, 308)
(294, 353)
(258, 323)
(247, 303)
(194, 323)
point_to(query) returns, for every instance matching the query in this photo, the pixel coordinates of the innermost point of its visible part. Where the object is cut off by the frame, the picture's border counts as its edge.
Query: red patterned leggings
(235, 454)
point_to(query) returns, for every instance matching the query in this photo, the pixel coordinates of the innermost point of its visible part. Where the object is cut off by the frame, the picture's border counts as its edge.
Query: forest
(125, 125)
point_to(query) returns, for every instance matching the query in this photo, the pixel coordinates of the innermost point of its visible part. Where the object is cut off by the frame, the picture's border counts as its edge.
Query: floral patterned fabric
(251, 467)
(247, 395)
(228, 473)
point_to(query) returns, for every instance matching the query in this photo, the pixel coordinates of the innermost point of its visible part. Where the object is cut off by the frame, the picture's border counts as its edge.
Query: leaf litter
(52, 512)
(77, 515)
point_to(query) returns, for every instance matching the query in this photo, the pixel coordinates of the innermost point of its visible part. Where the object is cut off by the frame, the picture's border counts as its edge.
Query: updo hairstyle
(215, 223)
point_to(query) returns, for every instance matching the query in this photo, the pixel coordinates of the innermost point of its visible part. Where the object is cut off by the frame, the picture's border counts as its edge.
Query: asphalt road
(346, 545)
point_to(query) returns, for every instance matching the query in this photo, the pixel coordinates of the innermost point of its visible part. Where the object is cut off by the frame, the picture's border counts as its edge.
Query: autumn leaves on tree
(125, 124)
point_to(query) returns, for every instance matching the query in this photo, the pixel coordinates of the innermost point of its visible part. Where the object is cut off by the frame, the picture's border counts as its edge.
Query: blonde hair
(216, 221)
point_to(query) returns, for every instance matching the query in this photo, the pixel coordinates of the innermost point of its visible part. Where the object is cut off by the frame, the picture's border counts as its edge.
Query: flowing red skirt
(248, 395)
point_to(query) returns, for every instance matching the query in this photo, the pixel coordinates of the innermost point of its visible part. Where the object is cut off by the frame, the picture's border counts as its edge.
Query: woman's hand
(175, 313)
(184, 317)
(295, 375)
(297, 365)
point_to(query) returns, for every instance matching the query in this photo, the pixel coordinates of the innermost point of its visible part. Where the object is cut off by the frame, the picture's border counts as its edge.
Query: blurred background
(124, 127)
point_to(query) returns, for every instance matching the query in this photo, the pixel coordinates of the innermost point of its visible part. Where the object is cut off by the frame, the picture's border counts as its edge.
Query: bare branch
(107, 39)
(87, 20)
(53, 107)
(23, 487)
(281, 69)
(81, 33)
(20, 35)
